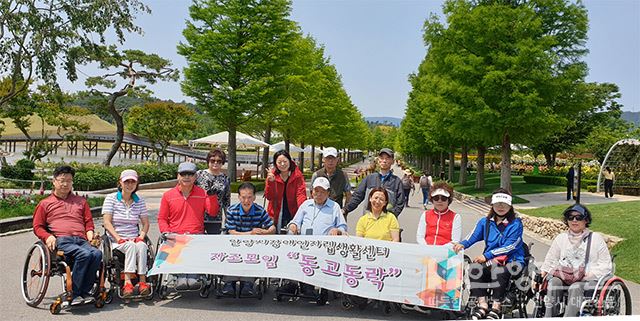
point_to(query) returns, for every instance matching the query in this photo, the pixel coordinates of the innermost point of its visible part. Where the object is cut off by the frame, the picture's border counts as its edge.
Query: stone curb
(21, 224)
(542, 229)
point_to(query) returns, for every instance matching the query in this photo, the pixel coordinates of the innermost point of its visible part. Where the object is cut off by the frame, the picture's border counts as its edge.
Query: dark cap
(386, 151)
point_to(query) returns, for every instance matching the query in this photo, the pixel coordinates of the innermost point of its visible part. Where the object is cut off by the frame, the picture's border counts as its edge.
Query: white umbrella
(308, 149)
(280, 146)
(222, 138)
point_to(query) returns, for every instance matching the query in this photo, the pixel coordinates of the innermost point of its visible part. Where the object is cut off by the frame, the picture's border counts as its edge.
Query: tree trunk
(231, 166)
(313, 160)
(452, 162)
(480, 174)
(551, 159)
(301, 158)
(463, 165)
(119, 127)
(505, 164)
(287, 142)
(265, 151)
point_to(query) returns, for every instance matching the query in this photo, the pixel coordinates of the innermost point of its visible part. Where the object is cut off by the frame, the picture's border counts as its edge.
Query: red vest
(439, 227)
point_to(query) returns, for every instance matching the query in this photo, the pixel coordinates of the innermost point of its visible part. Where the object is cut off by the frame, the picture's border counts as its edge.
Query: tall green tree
(130, 66)
(236, 52)
(161, 122)
(511, 67)
(39, 35)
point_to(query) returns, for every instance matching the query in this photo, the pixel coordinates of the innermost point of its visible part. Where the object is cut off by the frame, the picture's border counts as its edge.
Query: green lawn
(27, 209)
(492, 181)
(620, 219)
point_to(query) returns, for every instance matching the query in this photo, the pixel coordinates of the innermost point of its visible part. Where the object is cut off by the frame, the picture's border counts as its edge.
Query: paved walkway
(13, 249)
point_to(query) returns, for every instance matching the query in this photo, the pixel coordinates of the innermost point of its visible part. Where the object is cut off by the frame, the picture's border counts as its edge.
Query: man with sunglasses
(182, 211)
(385, 179)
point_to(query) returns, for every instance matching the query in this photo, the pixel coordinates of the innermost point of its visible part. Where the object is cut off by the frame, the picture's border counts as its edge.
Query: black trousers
(493, 277)
(608, 188)
(569, 190)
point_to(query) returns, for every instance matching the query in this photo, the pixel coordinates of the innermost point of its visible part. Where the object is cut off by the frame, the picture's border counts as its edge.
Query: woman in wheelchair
(503, 257)
(576, 260)
(440, 225)
(377, 223)
(122, 212)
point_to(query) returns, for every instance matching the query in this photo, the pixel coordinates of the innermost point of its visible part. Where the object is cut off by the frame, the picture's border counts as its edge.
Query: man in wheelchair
(182, 211)
(63, 221)
(245, 218)
(575, 263)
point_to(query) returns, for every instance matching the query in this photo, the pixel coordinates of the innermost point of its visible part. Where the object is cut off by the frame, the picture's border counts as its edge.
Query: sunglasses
(575, 218)
(215, 161)
(439, 198)
(187, 174)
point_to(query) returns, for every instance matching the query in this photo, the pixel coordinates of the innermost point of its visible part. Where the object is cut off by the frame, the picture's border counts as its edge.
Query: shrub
(21, 170)
(591, 188)
(555, 180)
(258, 184)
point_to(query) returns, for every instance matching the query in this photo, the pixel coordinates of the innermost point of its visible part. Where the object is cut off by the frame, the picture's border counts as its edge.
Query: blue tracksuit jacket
(508, 242)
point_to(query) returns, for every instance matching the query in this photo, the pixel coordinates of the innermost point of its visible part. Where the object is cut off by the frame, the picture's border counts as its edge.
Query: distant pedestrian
(570, 177)
(469, 167)
(407, 186)
(609, 177)
(425, 185)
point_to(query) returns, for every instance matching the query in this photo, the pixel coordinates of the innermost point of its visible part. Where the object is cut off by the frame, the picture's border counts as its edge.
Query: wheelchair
(166, 283)
(610, 297)
(40, 265)
(114, 266)
(518, 293)
(320, 296)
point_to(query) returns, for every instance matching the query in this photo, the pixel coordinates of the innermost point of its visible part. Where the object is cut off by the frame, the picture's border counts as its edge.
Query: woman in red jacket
(285, 185)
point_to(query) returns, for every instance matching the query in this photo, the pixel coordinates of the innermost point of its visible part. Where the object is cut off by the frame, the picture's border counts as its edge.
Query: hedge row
(555, 180)
(258, 184)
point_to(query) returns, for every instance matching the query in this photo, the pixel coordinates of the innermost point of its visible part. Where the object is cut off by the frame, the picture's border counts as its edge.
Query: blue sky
(376, 44)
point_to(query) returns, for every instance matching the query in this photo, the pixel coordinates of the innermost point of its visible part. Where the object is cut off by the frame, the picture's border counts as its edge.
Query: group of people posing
(63, 221)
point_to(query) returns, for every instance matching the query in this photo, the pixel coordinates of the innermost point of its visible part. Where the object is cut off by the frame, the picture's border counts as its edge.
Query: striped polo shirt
(240, 221)
(124, 218)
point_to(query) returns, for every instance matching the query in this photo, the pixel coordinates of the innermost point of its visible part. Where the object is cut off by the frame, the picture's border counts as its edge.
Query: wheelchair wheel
(387, 308)
(615, 299)
(36, 274)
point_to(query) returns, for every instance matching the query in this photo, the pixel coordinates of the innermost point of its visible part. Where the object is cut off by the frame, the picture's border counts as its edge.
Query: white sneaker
(77, 300)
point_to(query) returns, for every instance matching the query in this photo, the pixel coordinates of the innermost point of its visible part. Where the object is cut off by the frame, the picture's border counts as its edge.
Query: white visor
(440, 191)
(501, 198)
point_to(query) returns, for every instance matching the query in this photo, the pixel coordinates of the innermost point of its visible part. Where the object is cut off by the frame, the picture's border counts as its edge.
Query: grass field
(492, 181)
(620, 219)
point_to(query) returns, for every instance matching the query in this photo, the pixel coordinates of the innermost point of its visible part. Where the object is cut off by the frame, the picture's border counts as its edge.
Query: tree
(510, 67)
(37, 35)
(50, 107)
(236, 51)
(130, 65)
(161, 122)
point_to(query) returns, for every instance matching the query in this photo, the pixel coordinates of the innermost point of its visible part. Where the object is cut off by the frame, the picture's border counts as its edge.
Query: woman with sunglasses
(285, 189)
(214, 181)
(502, 258)
(439, 225)
(577, 256)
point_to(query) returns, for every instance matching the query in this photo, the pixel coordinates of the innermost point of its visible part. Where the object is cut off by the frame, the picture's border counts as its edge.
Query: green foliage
(38, 36)
(555, 180)
(21, 170)
(91, 177)
(258, 184)
(161, 123)
(19, 204)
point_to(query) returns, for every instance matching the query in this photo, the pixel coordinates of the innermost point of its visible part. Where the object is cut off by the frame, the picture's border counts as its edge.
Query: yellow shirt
(380, 228)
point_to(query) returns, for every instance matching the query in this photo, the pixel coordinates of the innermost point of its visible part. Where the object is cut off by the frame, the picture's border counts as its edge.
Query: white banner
(429, 276)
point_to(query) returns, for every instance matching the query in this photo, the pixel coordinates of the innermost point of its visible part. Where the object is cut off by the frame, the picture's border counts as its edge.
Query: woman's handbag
(569, 274)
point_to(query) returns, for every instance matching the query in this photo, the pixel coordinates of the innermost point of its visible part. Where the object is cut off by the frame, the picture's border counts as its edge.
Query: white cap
(322, 182)
(501, 198)
(329, 151)
(440, 191)
(128, 174)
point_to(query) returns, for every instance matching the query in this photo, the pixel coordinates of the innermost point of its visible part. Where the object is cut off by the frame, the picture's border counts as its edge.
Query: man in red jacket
(64, 220)
(182, 211)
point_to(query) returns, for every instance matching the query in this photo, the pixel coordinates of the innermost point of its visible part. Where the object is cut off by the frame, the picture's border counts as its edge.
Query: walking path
(13, 249)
